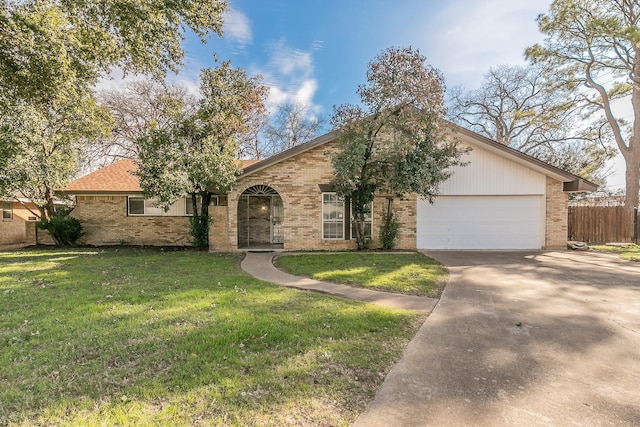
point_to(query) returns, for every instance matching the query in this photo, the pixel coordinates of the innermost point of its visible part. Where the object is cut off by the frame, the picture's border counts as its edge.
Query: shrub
(63, 228)
(389, 230)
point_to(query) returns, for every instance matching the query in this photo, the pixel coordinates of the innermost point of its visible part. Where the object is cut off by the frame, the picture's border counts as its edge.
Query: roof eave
(99, 192)
(579, 186)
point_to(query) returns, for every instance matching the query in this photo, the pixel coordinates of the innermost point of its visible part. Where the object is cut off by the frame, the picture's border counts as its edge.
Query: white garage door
(480, 222)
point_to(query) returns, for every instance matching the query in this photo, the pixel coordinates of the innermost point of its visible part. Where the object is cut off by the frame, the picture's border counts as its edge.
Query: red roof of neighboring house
(118, 177)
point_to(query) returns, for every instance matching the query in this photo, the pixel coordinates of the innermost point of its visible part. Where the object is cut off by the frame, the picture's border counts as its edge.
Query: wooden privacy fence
(601, 224)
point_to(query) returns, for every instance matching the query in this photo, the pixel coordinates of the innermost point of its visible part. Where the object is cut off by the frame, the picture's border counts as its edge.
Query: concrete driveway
(522, 339)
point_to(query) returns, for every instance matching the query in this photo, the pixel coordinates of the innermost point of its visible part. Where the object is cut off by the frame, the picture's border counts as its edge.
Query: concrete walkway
(522, 339)
(260, 265)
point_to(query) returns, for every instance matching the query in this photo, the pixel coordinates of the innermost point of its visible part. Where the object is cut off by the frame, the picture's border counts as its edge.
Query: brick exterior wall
(13, 231)
(297, 182)
(218, 231)
(37, 236)
(105, 222)
(557, 217)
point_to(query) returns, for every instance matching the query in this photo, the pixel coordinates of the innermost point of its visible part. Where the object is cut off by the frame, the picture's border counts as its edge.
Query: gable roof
(118, 177)
(570, 181)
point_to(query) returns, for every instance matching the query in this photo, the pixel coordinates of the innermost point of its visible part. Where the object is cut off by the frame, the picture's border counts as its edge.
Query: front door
(277, 220)
(260, 218)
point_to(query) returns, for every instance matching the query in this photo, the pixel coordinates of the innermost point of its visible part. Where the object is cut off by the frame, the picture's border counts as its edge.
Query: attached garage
(481, 222)
(500, 200)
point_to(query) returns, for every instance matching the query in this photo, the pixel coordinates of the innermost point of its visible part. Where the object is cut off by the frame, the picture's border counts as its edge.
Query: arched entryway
(260, 219)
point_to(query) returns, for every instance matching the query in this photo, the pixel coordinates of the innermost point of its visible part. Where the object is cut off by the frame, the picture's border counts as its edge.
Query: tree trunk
(632, 156)
(50, 209)
(388, 216)
(358, 212)
(205, 199)
(632, 175)
(194, 204)
(359, 226)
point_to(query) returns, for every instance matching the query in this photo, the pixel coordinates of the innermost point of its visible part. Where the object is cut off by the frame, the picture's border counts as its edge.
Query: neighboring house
(502, 199)
(17, 212)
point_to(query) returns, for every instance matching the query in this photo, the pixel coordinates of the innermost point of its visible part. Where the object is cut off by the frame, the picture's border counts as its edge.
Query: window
(136, 206)
(142, 206)
(139, 206)
(7, 212)
(332, 216)
(334, 210)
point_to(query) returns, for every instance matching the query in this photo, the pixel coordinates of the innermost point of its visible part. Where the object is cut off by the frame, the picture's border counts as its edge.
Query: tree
(137, 108)
(251, 144)
(48, 46)
(290, 126)
(52, 54)
(44, 144)
(198, 156)
(395, 142)
(593, 48)
(522, 108)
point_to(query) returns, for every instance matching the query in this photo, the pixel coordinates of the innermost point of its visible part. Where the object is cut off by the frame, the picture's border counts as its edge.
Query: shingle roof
(118, 177)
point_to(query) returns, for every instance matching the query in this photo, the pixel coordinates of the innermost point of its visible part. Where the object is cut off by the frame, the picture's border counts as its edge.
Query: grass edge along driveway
(138, 337)
(404, 273)
(629, 252)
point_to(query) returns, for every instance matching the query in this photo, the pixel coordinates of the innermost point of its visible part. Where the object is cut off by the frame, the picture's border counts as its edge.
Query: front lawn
(134, 337)
(629, 252)
(411, 274)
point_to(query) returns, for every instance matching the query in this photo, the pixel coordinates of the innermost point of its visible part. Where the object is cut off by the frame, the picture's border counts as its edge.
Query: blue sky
(316, 52)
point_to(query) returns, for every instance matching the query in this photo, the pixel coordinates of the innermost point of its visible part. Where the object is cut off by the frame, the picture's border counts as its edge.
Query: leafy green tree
(51, 55)
(593, 48)
(197, 157)
(395, 142)
(521, 107)
(45, 143)
(48, 46)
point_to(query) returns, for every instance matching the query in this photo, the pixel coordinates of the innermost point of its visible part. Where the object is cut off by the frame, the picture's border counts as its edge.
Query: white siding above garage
(487, 173)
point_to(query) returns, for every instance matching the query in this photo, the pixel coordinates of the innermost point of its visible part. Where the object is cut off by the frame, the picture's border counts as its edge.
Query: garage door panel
(480, 222)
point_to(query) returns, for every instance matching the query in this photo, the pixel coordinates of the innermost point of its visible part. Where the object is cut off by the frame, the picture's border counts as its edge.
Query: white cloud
(467, 37)
(290, 76)
(237, 28)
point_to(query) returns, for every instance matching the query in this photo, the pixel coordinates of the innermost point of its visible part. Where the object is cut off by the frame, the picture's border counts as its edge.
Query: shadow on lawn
(181, 335)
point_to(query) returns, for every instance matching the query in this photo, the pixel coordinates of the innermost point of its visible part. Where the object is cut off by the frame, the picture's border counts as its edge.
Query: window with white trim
(7, 211)
(332, 216)
(142, 206)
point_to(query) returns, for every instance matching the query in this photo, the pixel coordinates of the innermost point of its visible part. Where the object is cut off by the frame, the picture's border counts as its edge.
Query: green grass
(411, 274)
(134, 337)
(629, 252)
